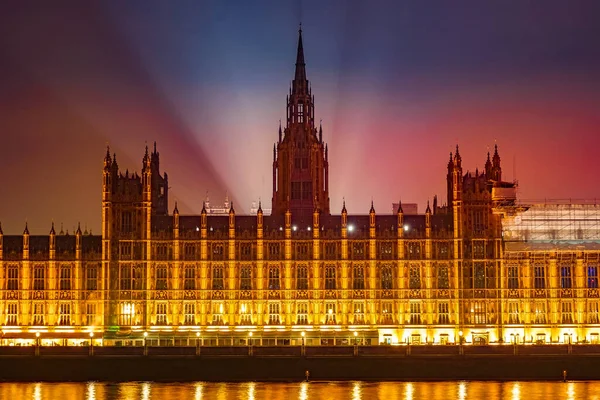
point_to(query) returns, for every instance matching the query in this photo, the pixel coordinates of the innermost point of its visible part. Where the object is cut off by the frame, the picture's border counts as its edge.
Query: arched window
(358, 278)
(246, 278)
(274, 278)
(302, 278)
(414, 277)
(330, 282)
(386, 278)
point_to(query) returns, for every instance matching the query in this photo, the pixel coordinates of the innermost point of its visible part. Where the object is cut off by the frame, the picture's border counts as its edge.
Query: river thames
(301, 391)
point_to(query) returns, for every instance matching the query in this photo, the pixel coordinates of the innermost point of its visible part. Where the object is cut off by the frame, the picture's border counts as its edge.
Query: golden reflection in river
(251, 389)
(37, 391)
(462, 390)
(516, 391)
(91, 391)
(198, 391)
(356, 391)
(146, 391)
(571, 391)
(409, 391)
(303, 391)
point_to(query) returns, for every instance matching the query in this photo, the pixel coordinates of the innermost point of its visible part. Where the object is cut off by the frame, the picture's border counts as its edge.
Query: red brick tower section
(300, 159)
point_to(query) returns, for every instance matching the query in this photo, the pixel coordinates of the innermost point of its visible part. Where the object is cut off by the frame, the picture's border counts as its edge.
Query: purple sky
(397, 85)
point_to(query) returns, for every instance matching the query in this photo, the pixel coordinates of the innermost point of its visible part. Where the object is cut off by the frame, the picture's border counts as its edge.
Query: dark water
(302, 391)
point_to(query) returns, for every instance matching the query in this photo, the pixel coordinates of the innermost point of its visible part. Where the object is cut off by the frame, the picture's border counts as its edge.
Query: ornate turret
(488, 167)
(176, 219)
(26, 242)
(231, 217)
(344, 219)
(52, 242)
(496, 169)
(400, 214)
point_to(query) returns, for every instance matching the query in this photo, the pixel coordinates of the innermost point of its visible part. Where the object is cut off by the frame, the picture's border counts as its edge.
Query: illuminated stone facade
(302, 274)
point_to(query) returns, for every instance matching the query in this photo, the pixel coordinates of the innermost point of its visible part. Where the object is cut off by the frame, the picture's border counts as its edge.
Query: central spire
(300, 167)
(300, 75)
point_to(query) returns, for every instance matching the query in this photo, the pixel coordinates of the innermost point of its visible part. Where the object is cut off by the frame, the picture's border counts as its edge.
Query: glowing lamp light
(330, 311)
(355, 334)
(294, 228)
(250, 334)
(197, 334)
(303, 333)
(350, 228)
(145, 334)
(91, 334)
(37, 334)
(460, 333)
(406, 228)
(308, 228)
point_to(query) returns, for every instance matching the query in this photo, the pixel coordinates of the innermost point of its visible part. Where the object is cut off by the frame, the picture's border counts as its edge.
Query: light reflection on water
(302, 391)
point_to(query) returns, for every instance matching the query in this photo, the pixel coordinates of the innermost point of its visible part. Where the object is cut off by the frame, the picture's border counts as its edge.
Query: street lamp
(91, 343)
(37, 343)
(197, 343)
(145, 343)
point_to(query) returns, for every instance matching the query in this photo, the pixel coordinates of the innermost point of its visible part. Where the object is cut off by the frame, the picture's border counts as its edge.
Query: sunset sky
(397, 85)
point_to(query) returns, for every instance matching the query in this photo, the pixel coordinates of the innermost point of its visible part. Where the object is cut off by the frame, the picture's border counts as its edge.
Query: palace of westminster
(482, 268)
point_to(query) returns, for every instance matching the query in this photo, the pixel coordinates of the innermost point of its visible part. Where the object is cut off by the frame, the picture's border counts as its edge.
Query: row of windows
(475, 313)
(357, 250)
(566, 278)
(40, 278)
(477, 277)
(39, 317)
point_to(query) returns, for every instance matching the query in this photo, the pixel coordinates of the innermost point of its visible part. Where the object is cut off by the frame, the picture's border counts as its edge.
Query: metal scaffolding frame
(576, 221)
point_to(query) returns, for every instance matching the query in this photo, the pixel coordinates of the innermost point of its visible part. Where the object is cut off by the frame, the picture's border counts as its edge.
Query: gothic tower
(300, 165)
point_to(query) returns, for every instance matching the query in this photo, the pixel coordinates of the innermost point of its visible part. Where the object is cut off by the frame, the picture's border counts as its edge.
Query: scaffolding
(561, 221)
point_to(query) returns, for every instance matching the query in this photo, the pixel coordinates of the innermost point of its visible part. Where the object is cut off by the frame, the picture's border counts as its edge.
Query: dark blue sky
(397, 85)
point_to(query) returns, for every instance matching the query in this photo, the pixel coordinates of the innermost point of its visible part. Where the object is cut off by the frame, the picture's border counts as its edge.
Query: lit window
(274, 314)
(38, 313)
(330, 310)
(189, 314)
(513, 313)
(302, 314)
(161, 313)
(443, 313)
(64, 314)
(415, 312)
(359, 313)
